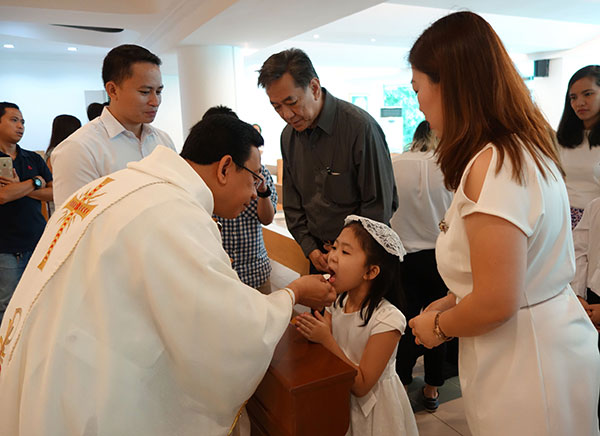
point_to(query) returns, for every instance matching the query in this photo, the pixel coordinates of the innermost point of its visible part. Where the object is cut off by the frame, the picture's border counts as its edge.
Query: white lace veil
(383, 234)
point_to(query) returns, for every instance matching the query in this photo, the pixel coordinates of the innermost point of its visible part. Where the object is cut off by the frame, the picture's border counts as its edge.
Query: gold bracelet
(437, 330)
(291, 294)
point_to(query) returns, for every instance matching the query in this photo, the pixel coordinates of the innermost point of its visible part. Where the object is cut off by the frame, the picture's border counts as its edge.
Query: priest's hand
(313, 291)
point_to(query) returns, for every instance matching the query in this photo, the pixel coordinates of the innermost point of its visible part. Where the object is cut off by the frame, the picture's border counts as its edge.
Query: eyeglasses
(258, 180)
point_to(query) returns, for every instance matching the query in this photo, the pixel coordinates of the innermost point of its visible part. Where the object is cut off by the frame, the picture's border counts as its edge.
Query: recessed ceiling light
(316, 36)
(72, 48)
(8, 46)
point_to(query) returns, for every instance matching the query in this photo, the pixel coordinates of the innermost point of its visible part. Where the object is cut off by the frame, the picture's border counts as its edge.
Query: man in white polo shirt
(122, 134)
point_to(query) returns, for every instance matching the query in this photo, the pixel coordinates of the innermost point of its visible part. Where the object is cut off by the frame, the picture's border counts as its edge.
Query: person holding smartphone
(26, 182)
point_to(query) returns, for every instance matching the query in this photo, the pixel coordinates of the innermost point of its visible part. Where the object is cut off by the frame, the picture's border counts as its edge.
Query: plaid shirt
(243, 240)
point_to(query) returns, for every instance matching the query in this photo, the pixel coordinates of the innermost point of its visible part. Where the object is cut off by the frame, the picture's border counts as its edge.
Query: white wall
(550, 92)
(46, 88)
(344, 70)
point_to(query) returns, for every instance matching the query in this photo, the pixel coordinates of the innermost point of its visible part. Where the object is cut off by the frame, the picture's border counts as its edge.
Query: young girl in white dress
(363, 327)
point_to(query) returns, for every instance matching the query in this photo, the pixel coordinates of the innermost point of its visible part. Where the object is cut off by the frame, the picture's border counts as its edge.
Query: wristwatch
(437, 330)
(37, 183)
(265, 194)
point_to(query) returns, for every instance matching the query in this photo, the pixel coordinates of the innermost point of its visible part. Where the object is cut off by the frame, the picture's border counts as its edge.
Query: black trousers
(422, 285)
(592, 298)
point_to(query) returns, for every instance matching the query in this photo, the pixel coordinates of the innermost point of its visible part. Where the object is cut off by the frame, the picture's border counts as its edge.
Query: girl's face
(585, 101)
(347, 261)
(430, 100)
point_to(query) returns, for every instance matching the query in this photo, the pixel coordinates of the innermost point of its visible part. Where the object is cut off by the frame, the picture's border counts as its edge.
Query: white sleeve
(220, 333)
(388, 318)
(504, 197)
(581, 235)
(73, 166)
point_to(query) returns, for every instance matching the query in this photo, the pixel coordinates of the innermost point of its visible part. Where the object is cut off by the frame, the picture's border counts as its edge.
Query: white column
(208, 76)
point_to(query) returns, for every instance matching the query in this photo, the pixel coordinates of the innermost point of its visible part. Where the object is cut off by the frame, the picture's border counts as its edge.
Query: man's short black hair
(219, 110)
(94, 110)
(220, 135)
(293, 61)
(118, 61)
(6, 105)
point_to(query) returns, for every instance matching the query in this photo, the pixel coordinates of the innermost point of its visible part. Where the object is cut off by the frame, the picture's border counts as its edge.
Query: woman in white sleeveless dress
(528, 360)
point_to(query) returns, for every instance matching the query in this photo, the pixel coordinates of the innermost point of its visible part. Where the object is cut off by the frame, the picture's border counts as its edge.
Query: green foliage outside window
(404, 97)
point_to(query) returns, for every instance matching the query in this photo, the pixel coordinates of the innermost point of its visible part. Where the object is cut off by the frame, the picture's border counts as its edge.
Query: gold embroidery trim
(237, 417)
(77, 206)
(4, 342)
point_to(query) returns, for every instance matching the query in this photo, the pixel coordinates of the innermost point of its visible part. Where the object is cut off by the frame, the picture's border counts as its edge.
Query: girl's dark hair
(62, 127)
(570, 129)
(386, 284)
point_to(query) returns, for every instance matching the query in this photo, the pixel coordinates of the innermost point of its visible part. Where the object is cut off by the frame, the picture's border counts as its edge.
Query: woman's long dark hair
(62, 127)
(570, 129)
(386, 284)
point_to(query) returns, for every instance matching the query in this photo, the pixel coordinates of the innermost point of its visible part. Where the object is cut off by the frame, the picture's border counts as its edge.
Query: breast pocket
(340, 188)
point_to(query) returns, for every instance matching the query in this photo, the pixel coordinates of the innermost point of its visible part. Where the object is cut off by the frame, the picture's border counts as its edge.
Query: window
(404, 97)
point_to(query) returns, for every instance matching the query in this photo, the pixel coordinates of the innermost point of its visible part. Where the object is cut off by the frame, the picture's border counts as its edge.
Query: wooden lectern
(305, 392)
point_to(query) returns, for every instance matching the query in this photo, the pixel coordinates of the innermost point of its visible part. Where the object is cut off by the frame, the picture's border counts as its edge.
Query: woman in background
(579, 138)
(62, 127)
(528, 361)
(422, 202)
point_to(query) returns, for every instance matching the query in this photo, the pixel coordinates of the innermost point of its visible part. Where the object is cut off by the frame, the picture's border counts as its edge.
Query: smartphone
(6, 167)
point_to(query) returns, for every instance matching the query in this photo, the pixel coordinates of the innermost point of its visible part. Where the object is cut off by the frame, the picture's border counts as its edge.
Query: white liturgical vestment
(129, 319)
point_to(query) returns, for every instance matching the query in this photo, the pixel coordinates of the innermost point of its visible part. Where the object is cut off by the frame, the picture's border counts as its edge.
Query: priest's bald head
(223, 150)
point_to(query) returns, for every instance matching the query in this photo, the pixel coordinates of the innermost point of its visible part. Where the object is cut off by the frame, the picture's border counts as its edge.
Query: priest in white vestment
(129, 319)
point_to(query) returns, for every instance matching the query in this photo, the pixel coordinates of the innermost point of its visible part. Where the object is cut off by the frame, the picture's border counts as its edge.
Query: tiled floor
(448, 420)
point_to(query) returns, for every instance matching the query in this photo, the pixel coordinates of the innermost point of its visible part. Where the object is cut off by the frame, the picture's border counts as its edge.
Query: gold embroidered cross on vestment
(80, 206)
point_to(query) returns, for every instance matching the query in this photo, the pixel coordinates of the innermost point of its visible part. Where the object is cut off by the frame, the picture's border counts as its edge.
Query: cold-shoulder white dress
(539, 372)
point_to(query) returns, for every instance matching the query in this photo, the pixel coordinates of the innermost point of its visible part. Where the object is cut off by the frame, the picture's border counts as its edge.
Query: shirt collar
(327, 115)
(17, 149)
(114, 127)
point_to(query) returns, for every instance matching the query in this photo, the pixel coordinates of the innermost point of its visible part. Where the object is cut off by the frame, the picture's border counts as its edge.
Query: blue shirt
(243, 240)
(21, 220)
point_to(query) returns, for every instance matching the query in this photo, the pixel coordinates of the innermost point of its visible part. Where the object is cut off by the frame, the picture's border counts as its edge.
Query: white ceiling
(398, 25)
(162, 25)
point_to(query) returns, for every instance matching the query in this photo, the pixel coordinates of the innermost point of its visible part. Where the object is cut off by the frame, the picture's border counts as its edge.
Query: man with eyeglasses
(243, 236)
(130, 319)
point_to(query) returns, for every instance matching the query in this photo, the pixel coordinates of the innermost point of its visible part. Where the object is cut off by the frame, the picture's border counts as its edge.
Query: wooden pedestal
(305, 392)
